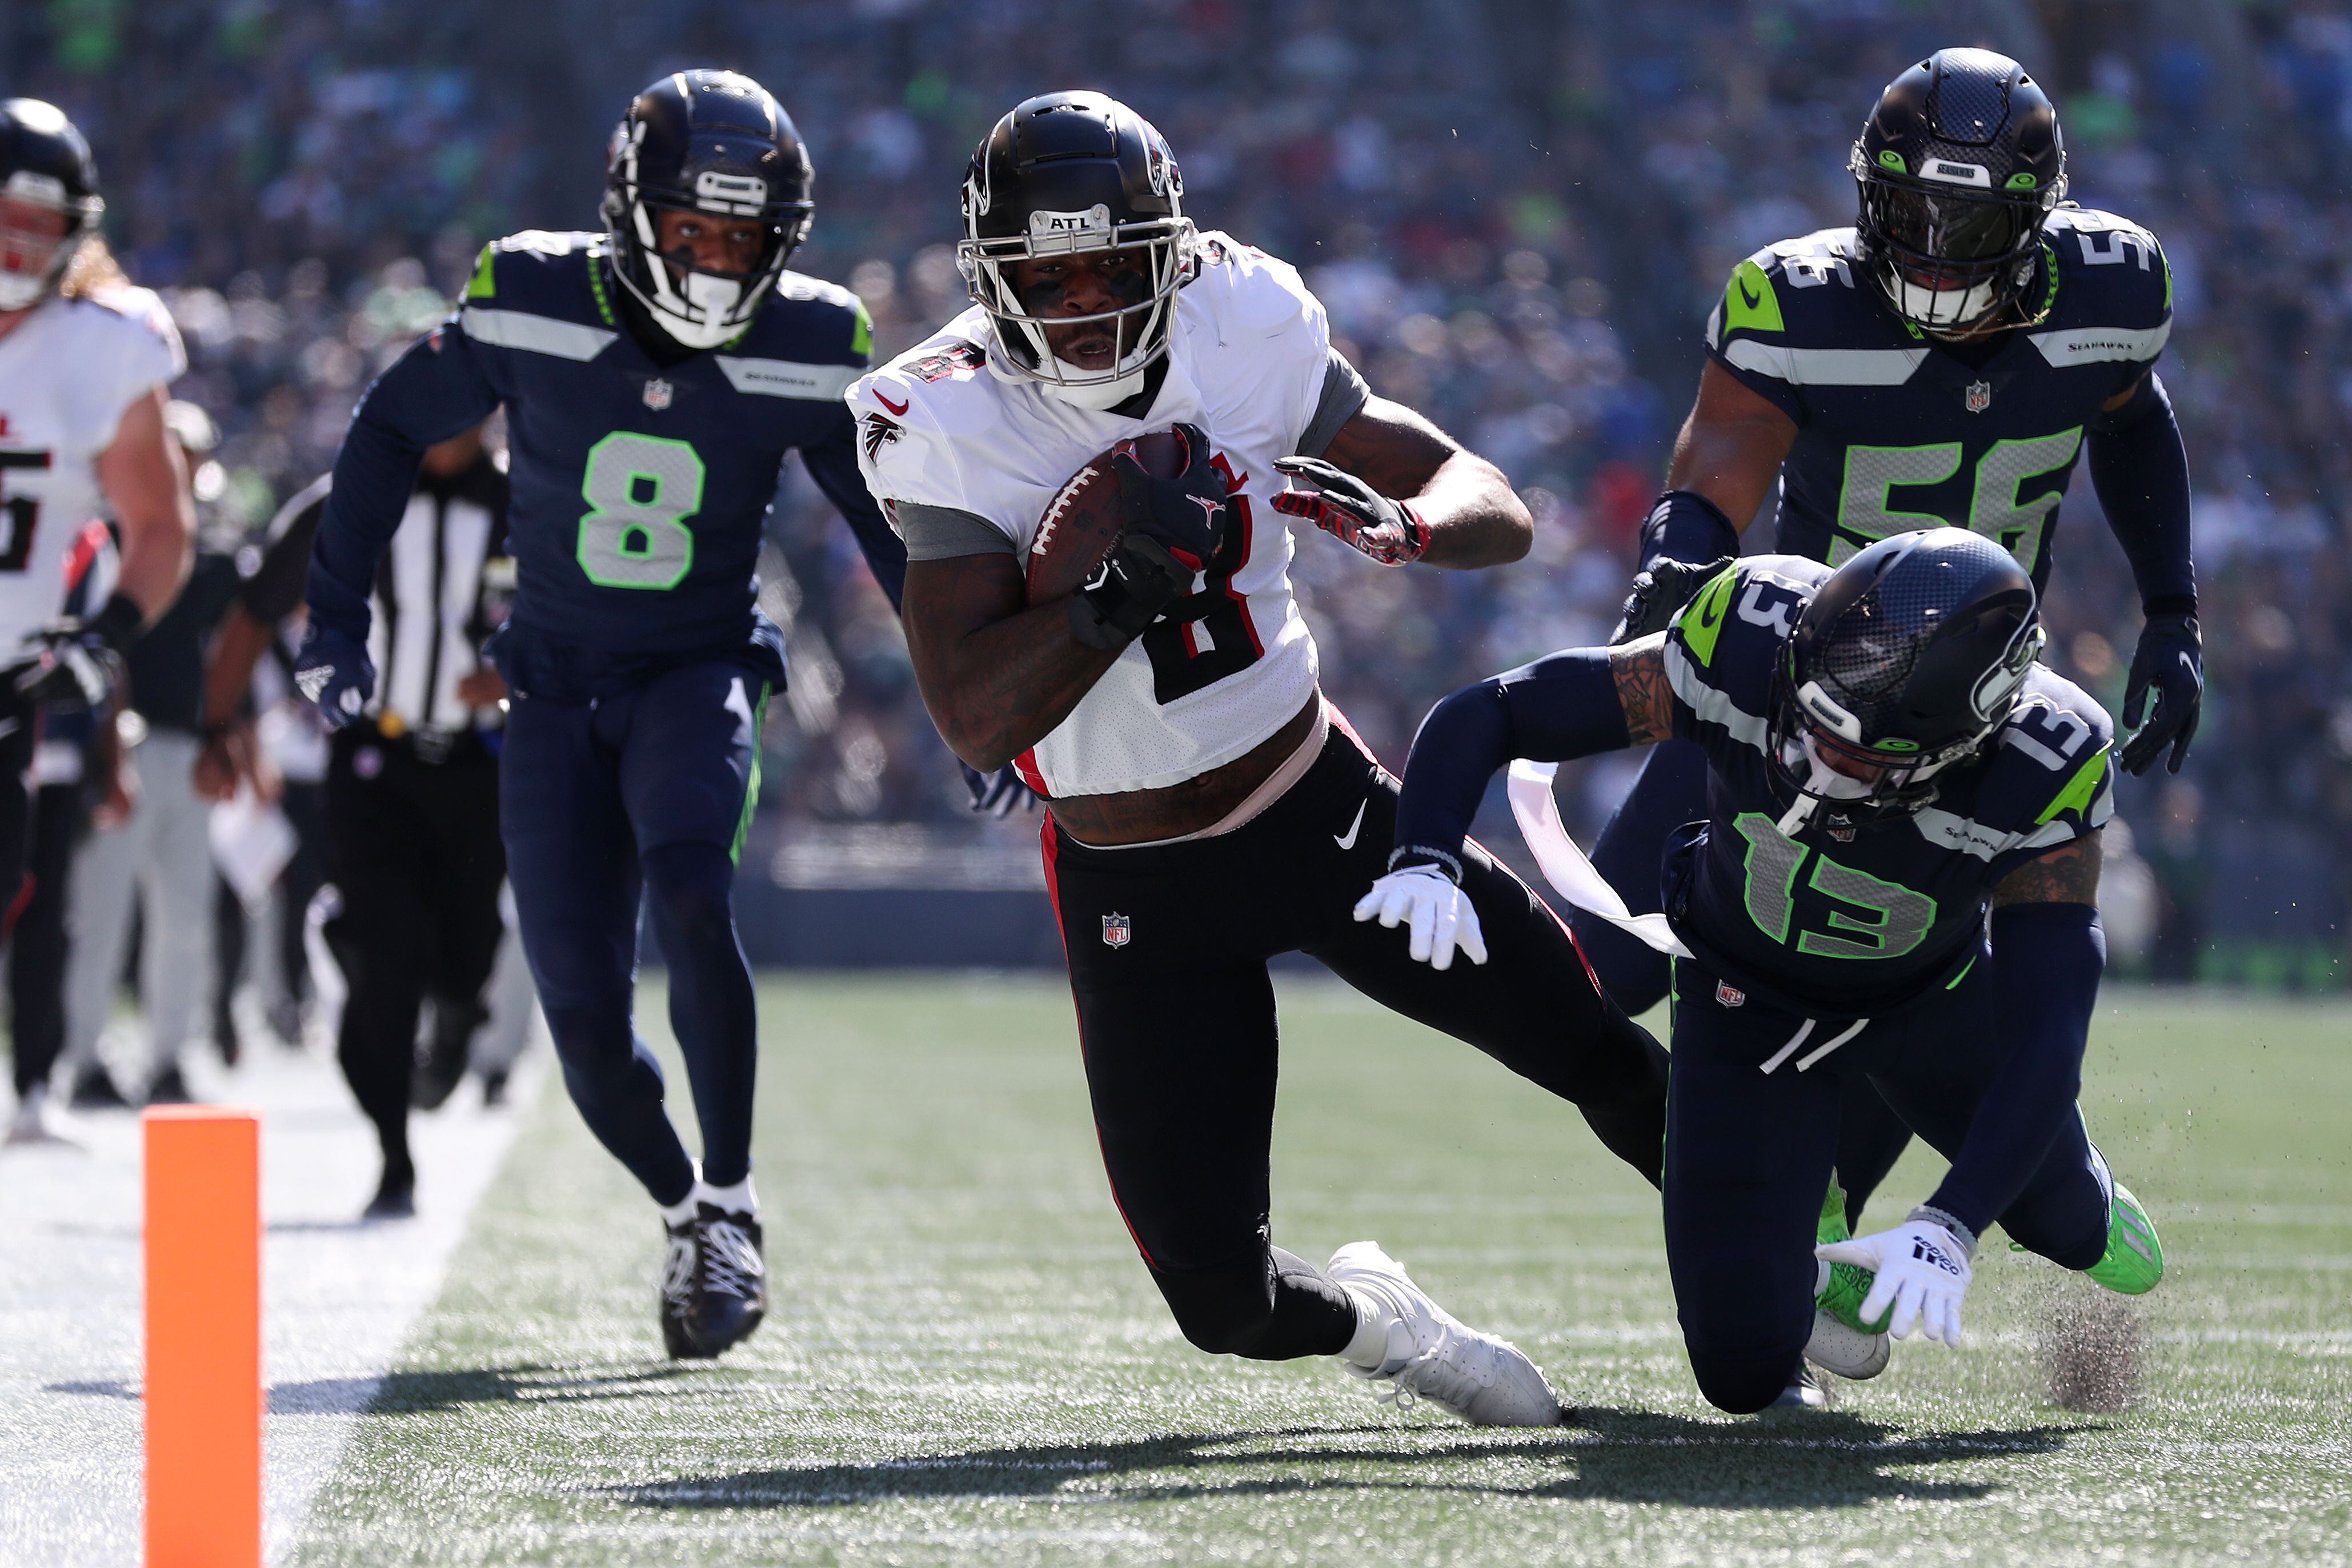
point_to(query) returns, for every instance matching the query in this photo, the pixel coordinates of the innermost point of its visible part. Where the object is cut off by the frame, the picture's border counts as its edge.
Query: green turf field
(966, 1362)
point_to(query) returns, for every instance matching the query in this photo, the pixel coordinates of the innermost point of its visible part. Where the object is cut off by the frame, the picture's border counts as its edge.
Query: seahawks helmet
(1069, 174)
(45, 163)
(1907, 661)
(712, 142)
(1960, 163)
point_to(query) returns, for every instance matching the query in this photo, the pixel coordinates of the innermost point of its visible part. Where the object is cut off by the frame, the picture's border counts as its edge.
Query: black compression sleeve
(1684, 524)
(1559, 707)
(2046, 960)
(2140, 469)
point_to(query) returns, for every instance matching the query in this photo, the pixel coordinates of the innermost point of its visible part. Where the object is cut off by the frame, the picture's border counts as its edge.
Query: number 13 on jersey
(641, 490)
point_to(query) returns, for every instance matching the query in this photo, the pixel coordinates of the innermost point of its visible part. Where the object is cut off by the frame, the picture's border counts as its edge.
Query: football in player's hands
(1089, 513)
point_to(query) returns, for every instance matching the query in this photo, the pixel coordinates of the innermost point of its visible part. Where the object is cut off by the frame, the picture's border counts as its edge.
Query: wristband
(118, 625)
(1449, 866)
(1960, 1233)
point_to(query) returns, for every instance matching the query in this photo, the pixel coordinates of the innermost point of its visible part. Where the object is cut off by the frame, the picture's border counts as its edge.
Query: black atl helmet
(44, 163)
(1959, 166)
(1065, 174)
(1905, 662)
(711, 142)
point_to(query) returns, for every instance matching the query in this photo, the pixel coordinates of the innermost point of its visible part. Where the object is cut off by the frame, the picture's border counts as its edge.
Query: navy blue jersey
(1840, 922)
(1897, 431)
(640, 488)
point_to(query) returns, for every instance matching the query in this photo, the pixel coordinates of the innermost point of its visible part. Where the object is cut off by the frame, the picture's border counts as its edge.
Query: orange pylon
(205, 1397)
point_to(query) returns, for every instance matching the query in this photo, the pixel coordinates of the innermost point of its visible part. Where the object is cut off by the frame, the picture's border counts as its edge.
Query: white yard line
(338, 1297)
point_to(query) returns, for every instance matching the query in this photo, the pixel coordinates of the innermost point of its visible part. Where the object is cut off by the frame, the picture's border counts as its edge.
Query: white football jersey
(67, 374)
(943, 425)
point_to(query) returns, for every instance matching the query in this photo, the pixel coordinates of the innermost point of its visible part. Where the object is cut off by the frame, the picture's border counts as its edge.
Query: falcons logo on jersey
(879, 430)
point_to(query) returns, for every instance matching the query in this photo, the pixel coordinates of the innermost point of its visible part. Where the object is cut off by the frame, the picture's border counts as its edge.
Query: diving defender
(1886, 765)
(654, 377)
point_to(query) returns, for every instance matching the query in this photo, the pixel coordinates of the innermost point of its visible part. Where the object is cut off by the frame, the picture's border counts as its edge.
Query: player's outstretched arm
(997, 673)
(1418, 495)
(2048, 953)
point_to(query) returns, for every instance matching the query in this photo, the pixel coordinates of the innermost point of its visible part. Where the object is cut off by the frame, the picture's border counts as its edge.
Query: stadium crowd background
(1519, 214)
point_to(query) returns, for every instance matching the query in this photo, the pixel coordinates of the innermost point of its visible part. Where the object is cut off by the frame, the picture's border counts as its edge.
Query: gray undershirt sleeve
(938, 533)
(1344, 393)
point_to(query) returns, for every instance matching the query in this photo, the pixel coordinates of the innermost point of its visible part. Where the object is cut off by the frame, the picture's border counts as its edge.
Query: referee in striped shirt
(412, 797)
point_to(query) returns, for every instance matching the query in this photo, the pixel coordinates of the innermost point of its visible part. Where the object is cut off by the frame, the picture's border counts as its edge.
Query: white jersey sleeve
(134, 352)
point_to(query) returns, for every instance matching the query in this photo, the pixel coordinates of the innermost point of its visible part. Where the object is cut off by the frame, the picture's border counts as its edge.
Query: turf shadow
(1822, 1461)
(414, 1392)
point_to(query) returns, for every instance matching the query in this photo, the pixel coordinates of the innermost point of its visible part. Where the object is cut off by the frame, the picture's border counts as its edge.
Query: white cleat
(38, 1122)
(1846, 1351)
(1486, 1381)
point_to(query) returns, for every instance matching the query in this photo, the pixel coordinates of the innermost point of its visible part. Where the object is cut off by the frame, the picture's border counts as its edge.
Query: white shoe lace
(678, 1268)
(731, 1265)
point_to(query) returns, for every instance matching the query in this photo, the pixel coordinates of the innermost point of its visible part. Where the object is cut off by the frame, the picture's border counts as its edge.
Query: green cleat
(1842, 1298)
(2135, 1259)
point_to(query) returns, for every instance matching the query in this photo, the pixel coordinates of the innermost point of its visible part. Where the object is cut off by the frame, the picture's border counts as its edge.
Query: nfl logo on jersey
(1730, 995)
(658, 392)
(1116, 929)
(1978, 396)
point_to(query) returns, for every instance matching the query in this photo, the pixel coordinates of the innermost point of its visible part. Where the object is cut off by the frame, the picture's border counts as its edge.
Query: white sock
(1369, 1348)
(738, 1198)
(681, 1211)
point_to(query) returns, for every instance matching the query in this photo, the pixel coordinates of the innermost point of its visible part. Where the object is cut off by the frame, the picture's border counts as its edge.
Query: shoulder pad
(1247, 287)
(519, 258)
(823, 320)
(1723, 648)
(2053, 776)
(1783, 289)
(2112, 273)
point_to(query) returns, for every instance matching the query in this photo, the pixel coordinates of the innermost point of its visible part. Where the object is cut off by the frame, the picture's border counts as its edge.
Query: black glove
(2166, 690)
(1659, 595)
(997, 794)
(72, 665)
(1352, 512)
(1173, 528)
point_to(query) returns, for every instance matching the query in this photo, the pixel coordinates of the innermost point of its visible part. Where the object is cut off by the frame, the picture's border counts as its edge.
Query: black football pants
(1168, 947)
(36, 945)
(1672, 790)
(1748, 1156)
(412, 848)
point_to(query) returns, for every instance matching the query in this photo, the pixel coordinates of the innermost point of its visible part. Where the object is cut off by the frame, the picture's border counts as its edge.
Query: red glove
(1390, 531)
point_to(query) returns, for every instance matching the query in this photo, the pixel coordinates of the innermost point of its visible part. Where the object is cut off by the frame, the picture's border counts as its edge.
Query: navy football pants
(644, 793)
(1748, 1156)
(1672, 790)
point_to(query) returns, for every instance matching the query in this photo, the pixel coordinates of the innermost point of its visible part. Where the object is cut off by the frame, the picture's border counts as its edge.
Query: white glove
(1923, 1272)
(1439, 914)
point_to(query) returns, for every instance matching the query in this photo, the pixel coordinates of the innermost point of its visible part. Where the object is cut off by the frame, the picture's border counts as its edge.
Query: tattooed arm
(2067, 874)
(1574, 704)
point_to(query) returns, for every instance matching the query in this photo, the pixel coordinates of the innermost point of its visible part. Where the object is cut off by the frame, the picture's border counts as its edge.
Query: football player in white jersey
(1208, 808)
(84, 360)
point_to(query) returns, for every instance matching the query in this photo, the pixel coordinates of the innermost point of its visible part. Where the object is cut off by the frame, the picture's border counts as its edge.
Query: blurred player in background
(150, 858)
(1887, 766)
(1948, 360)
(411, 807)
(84, 361)
(660, 370)
(1209, 810)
